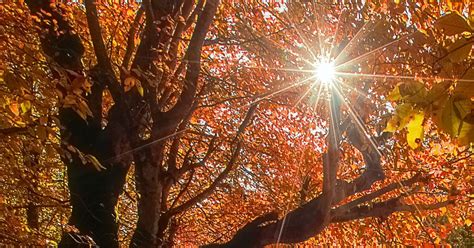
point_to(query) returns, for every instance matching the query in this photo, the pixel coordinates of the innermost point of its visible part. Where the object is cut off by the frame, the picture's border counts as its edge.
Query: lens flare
(325, 72)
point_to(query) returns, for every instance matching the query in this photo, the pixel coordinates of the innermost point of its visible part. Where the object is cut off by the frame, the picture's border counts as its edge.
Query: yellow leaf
(436, 149)
(443, 210)
(392, 125)
(450, 122)
(413, 91)
(468, 222)
(139, 88)
(394, 94)
(51, 243)
(404, 112)
(466, 133)
(463, 108)
(400, 119)
(93, 160)
(25, 106)
(465, 88)
(438, 91)
(415, 130)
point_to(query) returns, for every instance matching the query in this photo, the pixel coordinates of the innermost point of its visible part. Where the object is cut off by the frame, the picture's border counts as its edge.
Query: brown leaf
(453, 23)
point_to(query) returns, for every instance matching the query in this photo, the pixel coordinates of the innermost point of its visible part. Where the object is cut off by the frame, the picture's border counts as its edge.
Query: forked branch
(230, 165)
(193, 57)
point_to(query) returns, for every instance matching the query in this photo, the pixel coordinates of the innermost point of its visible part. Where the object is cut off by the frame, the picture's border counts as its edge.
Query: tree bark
(152, 179)
(94, 193)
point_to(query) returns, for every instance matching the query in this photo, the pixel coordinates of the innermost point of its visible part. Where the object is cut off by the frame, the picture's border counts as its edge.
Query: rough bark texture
(94, 193)
(153, 181)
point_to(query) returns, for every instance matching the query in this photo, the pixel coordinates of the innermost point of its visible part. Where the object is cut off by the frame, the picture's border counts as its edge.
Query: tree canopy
(220, 123)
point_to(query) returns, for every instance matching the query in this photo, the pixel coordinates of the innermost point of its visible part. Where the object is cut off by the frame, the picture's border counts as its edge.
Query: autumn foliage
(204, 123)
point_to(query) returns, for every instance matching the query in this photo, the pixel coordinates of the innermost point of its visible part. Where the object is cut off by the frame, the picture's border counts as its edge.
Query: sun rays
(329, 69)
(325, 71)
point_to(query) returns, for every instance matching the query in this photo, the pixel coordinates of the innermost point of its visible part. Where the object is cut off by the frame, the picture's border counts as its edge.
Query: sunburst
(325, 71)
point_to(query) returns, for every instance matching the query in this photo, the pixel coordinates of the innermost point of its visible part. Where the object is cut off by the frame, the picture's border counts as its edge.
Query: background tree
(215, 110)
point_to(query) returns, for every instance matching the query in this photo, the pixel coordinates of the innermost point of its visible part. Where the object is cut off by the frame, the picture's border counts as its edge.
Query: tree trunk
(94, 193)
(149, 186)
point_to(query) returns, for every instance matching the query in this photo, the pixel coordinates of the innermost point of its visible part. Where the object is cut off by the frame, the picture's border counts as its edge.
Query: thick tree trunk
(150, 187)
(94, 193)
(93, 199)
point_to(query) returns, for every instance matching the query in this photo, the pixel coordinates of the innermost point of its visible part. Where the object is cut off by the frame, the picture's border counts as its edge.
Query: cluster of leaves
(280, 45)
(281, 163)
(450, 99)
(34, 197)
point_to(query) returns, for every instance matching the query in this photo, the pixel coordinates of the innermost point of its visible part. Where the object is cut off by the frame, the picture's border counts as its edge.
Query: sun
(325, 71)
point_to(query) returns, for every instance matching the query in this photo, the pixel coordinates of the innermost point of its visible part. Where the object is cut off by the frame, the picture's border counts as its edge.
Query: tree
(199, 97)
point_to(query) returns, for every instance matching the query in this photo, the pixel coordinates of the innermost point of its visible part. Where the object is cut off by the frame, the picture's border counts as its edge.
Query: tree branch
(183, 190)
(331, 157)
(197, 11)
(230, 165)
(106, 75)
(386, 208)
(208, 191)
(373, 172)
(173, 154)
(393, 186)
(312, 217)
(13, 130)
(173, 48)
(150, 14)
(188, 165)
(193, 56)
(96, 34)
(131, 38)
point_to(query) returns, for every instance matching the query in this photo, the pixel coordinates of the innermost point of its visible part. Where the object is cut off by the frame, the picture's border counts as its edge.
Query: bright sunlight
(325, 72)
